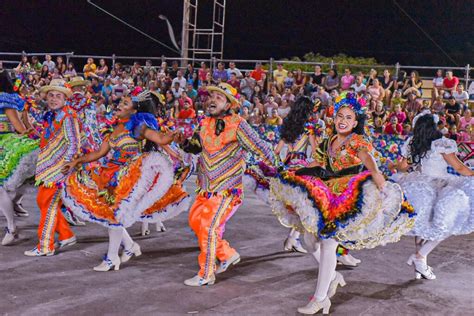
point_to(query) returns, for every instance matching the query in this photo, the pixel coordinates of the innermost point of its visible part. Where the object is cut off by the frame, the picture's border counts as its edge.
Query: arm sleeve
(444, 146)
(405, 151)
(251, 142)
(73, 137)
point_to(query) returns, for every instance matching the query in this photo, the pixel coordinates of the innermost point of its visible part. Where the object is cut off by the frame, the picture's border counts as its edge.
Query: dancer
(60, 142)
(335, 200)
(18, 153)
(129, 185)
(297, 133)
(444, 203)
(220, 141)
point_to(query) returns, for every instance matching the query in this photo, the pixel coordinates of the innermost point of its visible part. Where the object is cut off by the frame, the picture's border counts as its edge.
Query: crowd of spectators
(266, 98)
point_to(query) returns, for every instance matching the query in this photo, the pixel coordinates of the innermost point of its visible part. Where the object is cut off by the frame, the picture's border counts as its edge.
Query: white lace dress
(444, 203)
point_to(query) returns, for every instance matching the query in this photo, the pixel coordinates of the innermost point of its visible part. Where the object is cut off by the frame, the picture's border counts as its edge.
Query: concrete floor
(268, 281)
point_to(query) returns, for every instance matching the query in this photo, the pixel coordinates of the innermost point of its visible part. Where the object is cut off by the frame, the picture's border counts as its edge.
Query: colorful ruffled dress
(129, 185)
(257, 176)
(341, 201)
(18, 154)
(444, 203)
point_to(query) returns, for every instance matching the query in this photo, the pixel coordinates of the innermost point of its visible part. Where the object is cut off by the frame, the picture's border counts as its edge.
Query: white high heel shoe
(314, 306)
(338, 280)
(107, 265)
(422, 270)
(127, 254)
(294, 244)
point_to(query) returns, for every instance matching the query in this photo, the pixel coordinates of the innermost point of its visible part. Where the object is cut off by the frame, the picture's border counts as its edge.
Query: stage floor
(268, 281)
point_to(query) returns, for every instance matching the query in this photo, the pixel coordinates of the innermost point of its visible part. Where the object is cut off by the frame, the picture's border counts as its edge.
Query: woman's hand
(379, 180)
(69, 166)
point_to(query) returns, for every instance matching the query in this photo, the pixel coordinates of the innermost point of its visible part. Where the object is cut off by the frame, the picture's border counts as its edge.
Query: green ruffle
(12, 149)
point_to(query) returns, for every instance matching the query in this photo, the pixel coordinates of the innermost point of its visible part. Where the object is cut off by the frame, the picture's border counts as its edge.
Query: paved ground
(268, 281)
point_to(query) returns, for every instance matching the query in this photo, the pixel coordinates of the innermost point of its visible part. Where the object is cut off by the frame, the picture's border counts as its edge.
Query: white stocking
(427, 247)
(6, 205)
(327, 268)
(127, 241)
(115, 238)
(312, 245)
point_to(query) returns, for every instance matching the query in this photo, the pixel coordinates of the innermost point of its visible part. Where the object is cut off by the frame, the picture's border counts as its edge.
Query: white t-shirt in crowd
(182, 82)
(360, 88)
(461, 97)
(438, 81)
(237, 72)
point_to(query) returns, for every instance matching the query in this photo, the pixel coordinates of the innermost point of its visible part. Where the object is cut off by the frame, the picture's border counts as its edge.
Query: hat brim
(67, 92)
(79, 83)
(160, 97)
(229, 96)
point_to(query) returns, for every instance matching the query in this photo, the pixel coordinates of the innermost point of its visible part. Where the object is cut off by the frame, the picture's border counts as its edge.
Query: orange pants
(51, 218)
(207, 218)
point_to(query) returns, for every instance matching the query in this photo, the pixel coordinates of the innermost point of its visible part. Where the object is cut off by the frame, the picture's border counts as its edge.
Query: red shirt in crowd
(451, 83)
(187, 114)
(257, 74)
(391, 130)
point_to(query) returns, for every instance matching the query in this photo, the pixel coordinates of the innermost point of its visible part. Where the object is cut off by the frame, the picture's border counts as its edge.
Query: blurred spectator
(376, 91)
(256, 117)
(258, 74)
(173, 72)
(461, 96)
(413, 84)
(372, 76)
(107, 90)
(438, 105)
(471, 90)
(412, 106)
(437, 84)
(450, 83)
(24, 66)
(453, 111)
(233, 81)
(233, 69)
(318, 76)
(398, 112)
(466, 120)
(380, 113)
(347, 80)
(247, 84)
(299, 79)
(359, 87)
(387, 84)
(180, 80)
(453, 133)
(176, 89)
(187, 112)
(393, 127)
(288, 96)
(279, 76)
(191, 92)
(220, 74)
(118, 91)
(289, 81)
(331, 81)
(48, 62)
(274, 93)
(442, 128)
(269, 106)
(322, 95)
(89, 69)
(203, 71)
(103, 69)
(95, 89)
(36, 65)
(284, 109)
(274, 118)
(60, 65)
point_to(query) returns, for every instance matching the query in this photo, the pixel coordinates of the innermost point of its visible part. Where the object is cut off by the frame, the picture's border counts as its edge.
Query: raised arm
(251, 142)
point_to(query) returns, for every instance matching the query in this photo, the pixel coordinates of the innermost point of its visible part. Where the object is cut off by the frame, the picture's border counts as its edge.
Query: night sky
(255, 29)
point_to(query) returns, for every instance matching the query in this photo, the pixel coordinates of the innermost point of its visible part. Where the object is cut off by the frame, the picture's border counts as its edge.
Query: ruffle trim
(11, 101)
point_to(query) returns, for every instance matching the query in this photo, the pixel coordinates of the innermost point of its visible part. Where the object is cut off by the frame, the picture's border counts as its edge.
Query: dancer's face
(218, 104)
(345, 121)
(125, 108)
(56, 100)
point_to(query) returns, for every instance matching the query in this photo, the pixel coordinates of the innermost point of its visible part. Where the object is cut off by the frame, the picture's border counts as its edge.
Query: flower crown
(348, 99)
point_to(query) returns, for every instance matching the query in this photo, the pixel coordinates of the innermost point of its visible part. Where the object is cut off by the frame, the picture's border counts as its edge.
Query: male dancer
(221, 141)
(60, 142)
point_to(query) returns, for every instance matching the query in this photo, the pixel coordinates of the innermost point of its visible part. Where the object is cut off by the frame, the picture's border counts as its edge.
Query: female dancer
(444, 203)
(336, 201)
(129, 186)
(297, 134)
(18, 153)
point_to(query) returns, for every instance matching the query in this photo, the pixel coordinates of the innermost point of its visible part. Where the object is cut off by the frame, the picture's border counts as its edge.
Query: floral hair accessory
(349, 99)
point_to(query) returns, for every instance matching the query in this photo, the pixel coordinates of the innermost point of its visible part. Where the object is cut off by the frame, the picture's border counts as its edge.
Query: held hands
(179, 138)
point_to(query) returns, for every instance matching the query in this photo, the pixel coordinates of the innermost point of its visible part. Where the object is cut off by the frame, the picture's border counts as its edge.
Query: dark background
(254, 29)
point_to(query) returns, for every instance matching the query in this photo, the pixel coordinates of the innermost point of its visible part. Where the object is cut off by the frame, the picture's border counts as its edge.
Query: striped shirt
(222, 161)
(60, 141)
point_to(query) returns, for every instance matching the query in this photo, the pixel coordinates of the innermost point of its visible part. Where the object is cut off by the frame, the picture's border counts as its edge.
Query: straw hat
(160, 97)
(58, 85)
(227, 90)
(78, 81)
